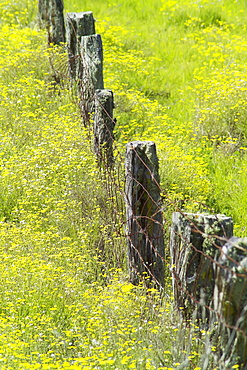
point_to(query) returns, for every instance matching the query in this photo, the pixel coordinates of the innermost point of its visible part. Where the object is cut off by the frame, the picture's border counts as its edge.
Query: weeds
(177, 69)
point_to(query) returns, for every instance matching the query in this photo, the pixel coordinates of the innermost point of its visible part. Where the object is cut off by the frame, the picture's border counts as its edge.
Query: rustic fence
(208, 265)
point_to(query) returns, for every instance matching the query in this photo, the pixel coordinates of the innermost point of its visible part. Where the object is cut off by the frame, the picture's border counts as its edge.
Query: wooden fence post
(230, 304)
(144, 214)
(77, 25)
(51, 17)
(193, 247)
(92, 71)
(104, 126)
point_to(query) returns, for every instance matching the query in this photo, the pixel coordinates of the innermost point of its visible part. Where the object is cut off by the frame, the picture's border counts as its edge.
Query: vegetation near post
(81, 283)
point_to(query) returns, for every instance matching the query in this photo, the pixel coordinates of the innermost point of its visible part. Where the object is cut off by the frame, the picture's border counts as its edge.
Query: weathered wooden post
(230, 304)
(77, 25)
(104, 126)
(51, 17)
(92, 71)
(195, 243)
(144, 215)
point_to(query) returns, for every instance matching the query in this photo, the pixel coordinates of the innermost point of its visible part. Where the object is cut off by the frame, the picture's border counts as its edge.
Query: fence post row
(77, 25)
(193, 246)
(207, 271)
(86, 68)
(51, 17)
(104, 126)
(230, 303)
(144, 215)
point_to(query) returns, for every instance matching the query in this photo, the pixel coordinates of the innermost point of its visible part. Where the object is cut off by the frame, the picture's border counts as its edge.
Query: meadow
(178, 73)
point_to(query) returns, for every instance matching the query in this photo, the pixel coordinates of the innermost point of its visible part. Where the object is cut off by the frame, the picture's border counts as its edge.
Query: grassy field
(178, 72)
(185, 64)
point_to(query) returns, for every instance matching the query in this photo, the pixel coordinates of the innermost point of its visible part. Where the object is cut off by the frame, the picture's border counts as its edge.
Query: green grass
(178, 73)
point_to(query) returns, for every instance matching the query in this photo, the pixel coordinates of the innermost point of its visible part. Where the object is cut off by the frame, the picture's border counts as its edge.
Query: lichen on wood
(92, 71)
(195, 245)
(77, 25)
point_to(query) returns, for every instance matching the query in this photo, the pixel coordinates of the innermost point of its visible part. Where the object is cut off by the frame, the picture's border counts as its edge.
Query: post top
(78, 15)
(103, 92)
(95, 36)
(200, 216)
(135, 144)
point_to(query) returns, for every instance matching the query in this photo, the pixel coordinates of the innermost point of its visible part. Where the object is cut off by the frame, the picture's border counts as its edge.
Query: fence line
(208, 266)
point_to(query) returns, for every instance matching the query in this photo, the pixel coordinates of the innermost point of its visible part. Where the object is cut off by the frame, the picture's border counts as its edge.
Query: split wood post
(104, 126)
(51, 17)
(230, 304)
(77, 25)
(195, 244)
(92, 72)
(145, 235)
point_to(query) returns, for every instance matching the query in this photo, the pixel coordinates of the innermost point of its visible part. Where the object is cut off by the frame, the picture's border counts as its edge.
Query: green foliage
(178, 72)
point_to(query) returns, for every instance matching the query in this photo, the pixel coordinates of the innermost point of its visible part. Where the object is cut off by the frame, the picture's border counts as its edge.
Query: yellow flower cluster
(61, 305)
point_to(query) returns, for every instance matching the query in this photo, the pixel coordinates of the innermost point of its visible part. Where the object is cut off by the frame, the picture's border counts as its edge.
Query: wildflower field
(178, 70)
